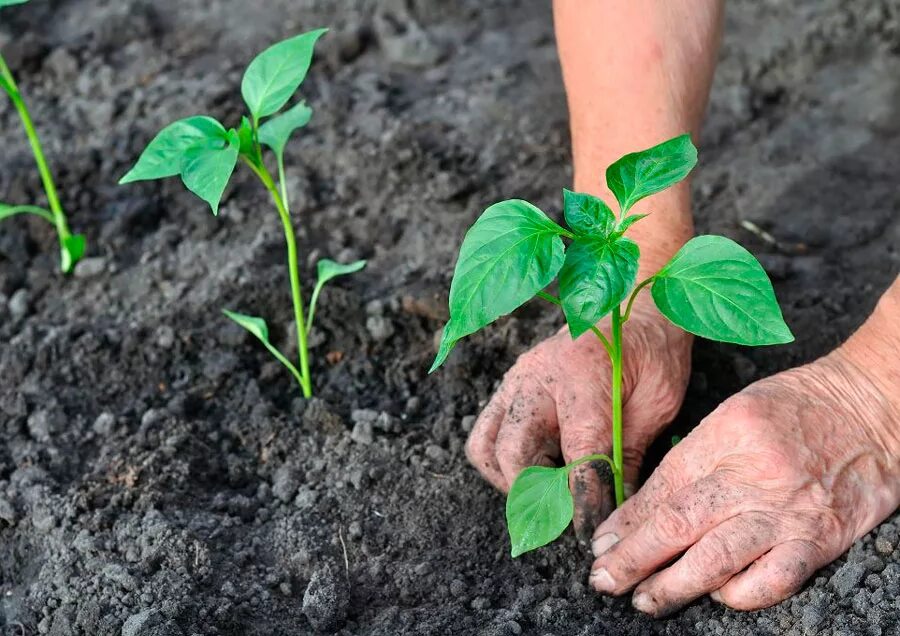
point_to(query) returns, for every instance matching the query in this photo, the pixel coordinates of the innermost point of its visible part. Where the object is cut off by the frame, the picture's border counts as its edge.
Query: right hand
(556, 399)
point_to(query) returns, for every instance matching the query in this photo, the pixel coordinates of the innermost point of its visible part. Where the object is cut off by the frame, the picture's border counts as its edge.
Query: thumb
(584, 429)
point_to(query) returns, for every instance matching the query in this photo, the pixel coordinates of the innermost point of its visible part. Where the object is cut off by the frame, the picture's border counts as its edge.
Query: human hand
(556, 398)
(780, 480)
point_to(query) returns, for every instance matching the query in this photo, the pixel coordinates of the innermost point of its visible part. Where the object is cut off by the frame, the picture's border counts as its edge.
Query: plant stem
(59, 217)
(634, 294)
(593, 458)
(617, 405)
(294, 271)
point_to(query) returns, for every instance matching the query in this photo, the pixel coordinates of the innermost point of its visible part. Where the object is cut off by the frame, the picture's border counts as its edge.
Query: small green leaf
(628, 221)
(587, 214)
(714, 288)
(9, 3)
(539, 507)
(511, 252)
(275, 74)
(71, 251)
(328, 269)
(597, 275)
(248, 147)
(276, 132)
(258, 327)
(207, 169)
(166, 155)
(640, 174)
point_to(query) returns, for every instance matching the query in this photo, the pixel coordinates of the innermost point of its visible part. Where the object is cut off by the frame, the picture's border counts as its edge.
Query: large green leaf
(511, 252)
(276, 132)
(714, 288)
(640, 174)
(326, 270)
(597, 275)
(258, 327)
(275, 74)
(207, 169)
(587, 214)
(8, 3)
(199, 149)
(539, 507)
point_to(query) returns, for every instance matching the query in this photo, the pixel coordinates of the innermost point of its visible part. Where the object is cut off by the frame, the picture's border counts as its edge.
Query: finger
(585, 430)
(480, 445)
(528, 435)
(670, 476)
(707, 565)
(775, 576)
(675, 525)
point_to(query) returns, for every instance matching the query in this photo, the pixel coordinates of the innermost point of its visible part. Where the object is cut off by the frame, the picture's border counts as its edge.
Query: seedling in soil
(71, 246)
(712, 287)
(204, 153)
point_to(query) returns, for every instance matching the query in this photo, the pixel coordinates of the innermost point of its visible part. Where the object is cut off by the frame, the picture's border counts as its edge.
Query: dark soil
(159, 475)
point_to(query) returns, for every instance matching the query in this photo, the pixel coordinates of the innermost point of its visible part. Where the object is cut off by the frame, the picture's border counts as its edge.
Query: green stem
(13, 210)
(59, 217)
(634, 294)
(294, 271)
(617, 405)
(593, 458)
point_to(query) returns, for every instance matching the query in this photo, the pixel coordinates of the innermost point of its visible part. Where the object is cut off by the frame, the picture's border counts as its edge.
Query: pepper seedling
(71, 246)
(712, 288)
(204, 153)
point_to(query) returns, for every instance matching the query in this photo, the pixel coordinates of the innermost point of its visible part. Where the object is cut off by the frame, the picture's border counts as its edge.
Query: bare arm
(637, 72)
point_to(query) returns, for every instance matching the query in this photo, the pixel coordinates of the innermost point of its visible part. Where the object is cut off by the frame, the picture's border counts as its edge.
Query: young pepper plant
(71, 246)
(712, 288)
(204, 154)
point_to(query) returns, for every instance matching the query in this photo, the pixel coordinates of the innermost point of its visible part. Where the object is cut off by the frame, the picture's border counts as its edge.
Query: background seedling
(712, 287)
(204, 153)
(71, 246)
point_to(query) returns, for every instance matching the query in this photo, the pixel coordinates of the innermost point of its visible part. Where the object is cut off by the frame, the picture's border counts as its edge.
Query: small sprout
(712, 287)
(204, 154)
(71, 246)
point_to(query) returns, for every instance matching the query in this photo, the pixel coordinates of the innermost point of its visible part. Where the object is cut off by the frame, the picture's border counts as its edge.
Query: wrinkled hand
(777, 482)
(557, 398)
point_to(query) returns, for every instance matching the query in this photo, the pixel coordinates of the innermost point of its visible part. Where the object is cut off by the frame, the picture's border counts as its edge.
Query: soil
(159, 475)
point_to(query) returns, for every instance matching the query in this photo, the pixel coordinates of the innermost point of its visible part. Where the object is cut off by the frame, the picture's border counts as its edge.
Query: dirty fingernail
(643, 602)
(716, 595)
(603, 543)
(602, 580)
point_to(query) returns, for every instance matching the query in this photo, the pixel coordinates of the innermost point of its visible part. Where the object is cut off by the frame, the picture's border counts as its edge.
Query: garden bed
(159, 473)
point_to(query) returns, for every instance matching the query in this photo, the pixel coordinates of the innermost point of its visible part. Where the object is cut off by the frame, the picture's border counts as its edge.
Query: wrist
(873, 352)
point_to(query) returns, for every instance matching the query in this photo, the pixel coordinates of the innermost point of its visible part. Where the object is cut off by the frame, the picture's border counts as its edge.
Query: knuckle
(671, 523)
(714, 559)
(478, 448)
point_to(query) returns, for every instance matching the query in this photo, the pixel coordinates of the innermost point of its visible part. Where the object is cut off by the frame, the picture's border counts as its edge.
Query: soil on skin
(159, 475)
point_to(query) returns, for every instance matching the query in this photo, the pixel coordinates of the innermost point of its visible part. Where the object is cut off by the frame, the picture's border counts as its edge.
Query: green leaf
(9, 3)
(248, 147)
(275, 74)
(71, 251)
(199, 149)
(714, 288)
(640, 174)
(597, 275)
(276, 132)
(448, 341)
(587, 214)
(539, 507)
(258, 327)
(328, 269)
(207, 169)
(511, 252)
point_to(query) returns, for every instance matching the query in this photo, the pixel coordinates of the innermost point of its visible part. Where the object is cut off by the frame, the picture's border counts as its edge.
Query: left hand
(777, 482)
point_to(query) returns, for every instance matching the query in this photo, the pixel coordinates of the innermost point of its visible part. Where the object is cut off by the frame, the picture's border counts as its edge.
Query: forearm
(637, 72)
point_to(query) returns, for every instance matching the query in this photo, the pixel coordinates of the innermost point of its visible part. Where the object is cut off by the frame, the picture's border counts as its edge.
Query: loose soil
(159, 475)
